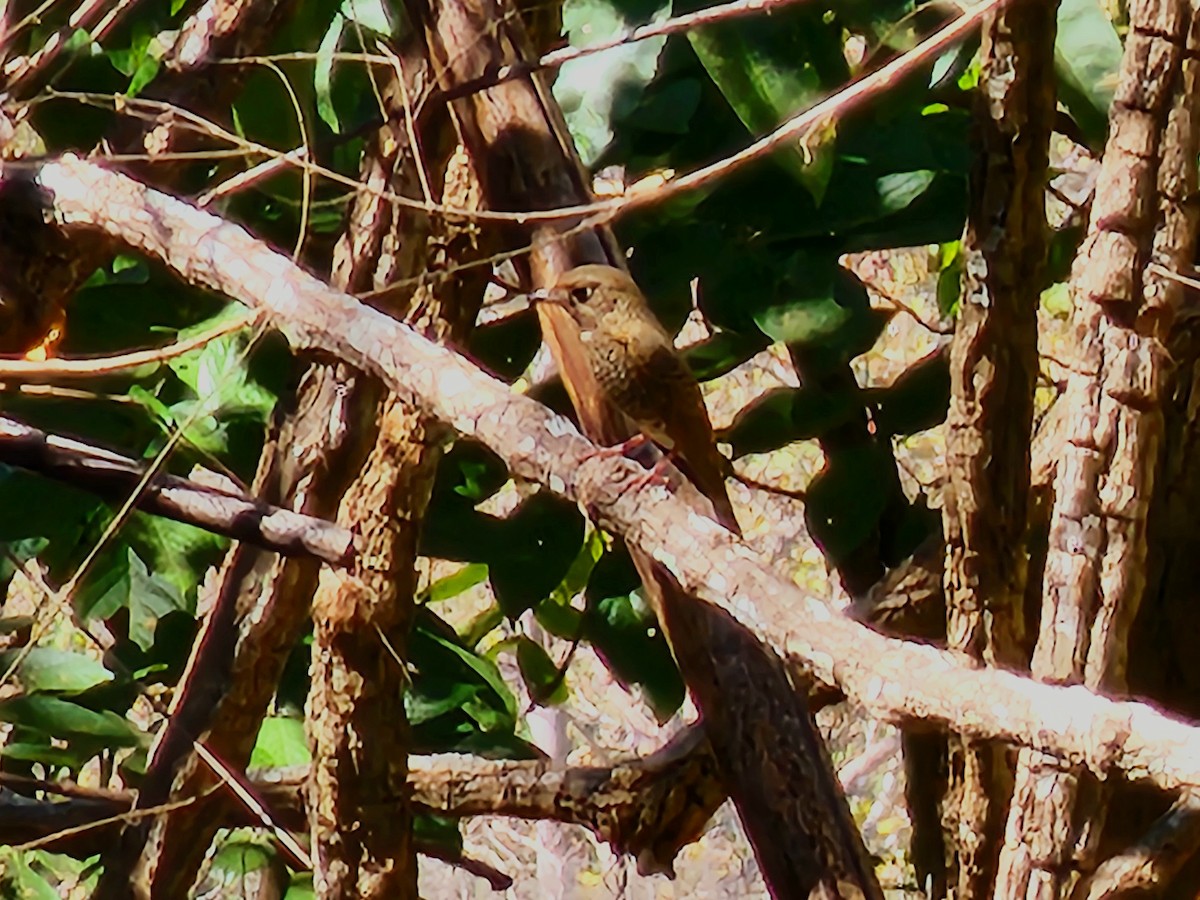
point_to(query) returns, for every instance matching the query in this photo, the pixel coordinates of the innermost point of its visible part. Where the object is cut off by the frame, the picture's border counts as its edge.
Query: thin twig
(23, 69)
(27, 370)
(558, 58)
(602, 211)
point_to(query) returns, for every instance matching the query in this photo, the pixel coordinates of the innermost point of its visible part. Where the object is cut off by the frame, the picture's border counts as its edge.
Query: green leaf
(44, 669)
(898, 190)
(770, 68)
(124, 582)
(485, 669)
(806, 321)
(596, 91)
(453, 585)
(62, 718)
(722, 353)
(533, 550)
(918, 399)
(471, 471)
(482, 625)
(821, 307)
(1087, 60)
(541, 674)
(1056, 300)
(72, 758)
(580, 571)
(323, 73)
(238, 860)
(785, 415)
(949, 283)
(626, 636)
(177, 553)
(150, 598)
(669, 110)
(846, 499)
(301, 887)
(429, 703)
(219, 374)
(373, 15)
(486, 716)
(19, 881)
(281, 743)
(53, 512)
(559, 619)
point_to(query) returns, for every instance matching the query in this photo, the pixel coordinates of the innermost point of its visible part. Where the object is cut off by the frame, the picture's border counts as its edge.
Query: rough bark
(1149, 867)
(993, 368)
(357, 723)
(1095, 568)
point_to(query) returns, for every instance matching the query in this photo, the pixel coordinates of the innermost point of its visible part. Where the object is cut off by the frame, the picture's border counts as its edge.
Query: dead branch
(893, 680)
(85, 826)
(28, 371)
(234, 515)
(648, 808)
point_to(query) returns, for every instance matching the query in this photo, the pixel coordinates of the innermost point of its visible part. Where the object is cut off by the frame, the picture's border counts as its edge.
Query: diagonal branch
(223, 512)
(892, 680)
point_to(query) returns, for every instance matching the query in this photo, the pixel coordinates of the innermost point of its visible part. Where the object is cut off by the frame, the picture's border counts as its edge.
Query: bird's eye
(579, 295)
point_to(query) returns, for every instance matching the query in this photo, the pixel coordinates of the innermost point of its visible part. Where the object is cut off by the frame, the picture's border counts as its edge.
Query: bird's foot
(659, 473)
(656, 470)
(628, 448)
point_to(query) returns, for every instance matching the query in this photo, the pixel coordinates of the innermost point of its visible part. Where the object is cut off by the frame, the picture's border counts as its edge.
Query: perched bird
(634, 362)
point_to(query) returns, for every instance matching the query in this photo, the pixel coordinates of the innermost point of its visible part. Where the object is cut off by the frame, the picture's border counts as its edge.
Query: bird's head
(592, 293)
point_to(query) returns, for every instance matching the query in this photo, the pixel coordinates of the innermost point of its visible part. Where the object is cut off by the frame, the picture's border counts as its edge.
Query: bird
(634, 362)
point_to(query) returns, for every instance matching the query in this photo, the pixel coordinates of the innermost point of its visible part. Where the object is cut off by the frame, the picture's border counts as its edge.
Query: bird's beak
(546, 295)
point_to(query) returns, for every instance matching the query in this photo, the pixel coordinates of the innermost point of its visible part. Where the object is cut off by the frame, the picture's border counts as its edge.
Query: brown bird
(634, 362)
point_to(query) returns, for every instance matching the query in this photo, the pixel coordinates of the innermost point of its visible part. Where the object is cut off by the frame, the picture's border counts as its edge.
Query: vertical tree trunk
(993, 367)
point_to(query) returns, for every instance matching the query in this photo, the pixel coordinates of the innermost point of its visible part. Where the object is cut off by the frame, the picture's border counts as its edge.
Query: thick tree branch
(893, 680)
(222, 512)
(648, 808)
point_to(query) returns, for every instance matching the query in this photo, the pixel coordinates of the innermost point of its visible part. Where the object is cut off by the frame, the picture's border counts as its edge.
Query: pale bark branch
(891, 679)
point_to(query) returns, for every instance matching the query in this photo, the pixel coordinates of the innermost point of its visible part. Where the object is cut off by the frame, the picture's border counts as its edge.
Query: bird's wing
(674, 416)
